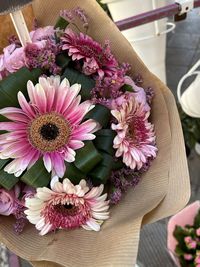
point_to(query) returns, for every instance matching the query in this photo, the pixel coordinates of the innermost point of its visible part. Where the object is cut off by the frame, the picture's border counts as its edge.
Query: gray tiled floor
(183, 50)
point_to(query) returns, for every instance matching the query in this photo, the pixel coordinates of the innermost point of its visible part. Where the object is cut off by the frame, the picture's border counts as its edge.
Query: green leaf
(62, 60)
(73, 173)
(3, 162)
(61, 23)
(87, 157)
(127, 87)
(100, 114)
(102, 172)
(86, 82)
(7, 180)
(11, 85)
(118, 165)
(37, 176)
(104, 140)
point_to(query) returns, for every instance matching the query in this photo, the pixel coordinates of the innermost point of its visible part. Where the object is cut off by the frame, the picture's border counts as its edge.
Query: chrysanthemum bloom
(49, 126)
(67, 206)
(96, 59)
(135, 135)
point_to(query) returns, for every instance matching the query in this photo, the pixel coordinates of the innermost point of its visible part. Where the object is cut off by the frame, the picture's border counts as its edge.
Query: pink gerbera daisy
(135, 139)
(95, 57)
(67, 206)
(49, 126)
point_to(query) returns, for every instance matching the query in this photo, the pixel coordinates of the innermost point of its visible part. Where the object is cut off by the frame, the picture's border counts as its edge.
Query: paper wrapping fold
(163, 190)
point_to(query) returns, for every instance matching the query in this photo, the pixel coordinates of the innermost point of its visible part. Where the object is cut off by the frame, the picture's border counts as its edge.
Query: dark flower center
(49, 131)
(66, 210)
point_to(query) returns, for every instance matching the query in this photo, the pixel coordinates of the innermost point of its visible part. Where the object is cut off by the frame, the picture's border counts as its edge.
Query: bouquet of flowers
(185, 242)
(79, 128)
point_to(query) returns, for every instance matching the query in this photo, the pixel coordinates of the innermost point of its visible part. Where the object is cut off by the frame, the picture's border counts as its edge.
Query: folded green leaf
(37, 176)
(102, 172)
(101, 114)
(7, 180)
(74, 174)
(87, 157)
(61, 23)
(86, 82)
(11, 85)
(3, 162)
(104, 140)
(62, 60)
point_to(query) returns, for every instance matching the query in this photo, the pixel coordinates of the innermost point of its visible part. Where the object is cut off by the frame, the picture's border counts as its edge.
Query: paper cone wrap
(184, 217)
(163, 190)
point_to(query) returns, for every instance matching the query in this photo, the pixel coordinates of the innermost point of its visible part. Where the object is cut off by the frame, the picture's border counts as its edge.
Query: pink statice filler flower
(49, 126)
(67, 206)
(96, 59)
(135, 139)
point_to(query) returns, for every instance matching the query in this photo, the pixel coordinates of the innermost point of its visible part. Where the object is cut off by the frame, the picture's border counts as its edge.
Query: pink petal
(17, 150)
(58, 164)
(69, 155)
(12, 126)
(75, 144)
(86, 127)
(31, 89)
(47, 162)
(40, 98)
(35, 156)
(14, 114)
(25, 105)
(76, 115)
(71, 103)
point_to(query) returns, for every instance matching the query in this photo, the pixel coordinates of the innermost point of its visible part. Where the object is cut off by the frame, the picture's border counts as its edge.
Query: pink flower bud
(198, 232)
(192, 245)
(188, 257)
(188, 239)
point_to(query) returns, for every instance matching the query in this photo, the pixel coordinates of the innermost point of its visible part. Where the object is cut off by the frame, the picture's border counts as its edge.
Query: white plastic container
(145, 39)
(190, 99)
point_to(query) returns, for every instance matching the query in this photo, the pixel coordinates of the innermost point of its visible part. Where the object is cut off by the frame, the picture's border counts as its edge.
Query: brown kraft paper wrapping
(163, 190)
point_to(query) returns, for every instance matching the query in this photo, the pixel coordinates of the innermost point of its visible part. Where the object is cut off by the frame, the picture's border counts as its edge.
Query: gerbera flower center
(66, 211)
(137, 130)
(49, 132)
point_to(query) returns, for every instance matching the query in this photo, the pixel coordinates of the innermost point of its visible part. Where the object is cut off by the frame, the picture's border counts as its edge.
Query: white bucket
(148, 40)
(190, 99)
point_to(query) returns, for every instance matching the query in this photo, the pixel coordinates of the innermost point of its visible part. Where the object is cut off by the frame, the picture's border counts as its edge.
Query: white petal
(54, 180)
(33, 219)
(100, 215)
(93, 225)
(45, 229)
